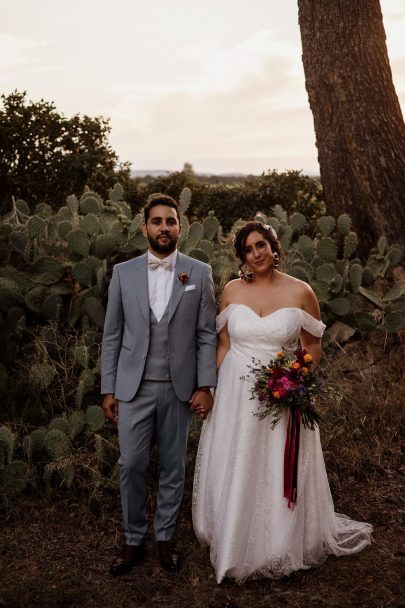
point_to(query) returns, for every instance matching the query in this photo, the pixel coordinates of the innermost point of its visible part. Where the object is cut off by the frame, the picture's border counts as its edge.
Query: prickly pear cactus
(57, 444)
(6, 446)
(94, 418)
(14, 479)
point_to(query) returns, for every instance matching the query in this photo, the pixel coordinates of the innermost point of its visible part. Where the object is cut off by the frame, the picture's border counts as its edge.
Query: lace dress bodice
(262, 337)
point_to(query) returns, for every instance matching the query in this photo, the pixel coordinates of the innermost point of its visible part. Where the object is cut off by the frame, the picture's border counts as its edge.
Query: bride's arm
(224, 344)
(224, 341)
(311, 343)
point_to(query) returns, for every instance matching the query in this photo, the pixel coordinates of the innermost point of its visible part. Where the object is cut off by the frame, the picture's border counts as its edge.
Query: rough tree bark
(360, 132)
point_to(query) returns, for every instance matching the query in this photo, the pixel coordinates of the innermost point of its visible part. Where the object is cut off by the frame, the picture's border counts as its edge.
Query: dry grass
(58, 554)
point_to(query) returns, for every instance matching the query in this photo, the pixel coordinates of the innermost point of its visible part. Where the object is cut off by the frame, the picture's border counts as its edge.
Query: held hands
(110, 407)
(201, 403)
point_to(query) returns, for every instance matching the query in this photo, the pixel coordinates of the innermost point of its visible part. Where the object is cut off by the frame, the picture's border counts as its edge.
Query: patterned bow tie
(153, 264)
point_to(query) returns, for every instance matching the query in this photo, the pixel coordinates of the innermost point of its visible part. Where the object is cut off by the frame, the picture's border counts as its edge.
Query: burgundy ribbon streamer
(291, 449)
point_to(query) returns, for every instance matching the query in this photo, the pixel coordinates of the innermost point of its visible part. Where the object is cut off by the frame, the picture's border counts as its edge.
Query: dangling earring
(246, 275)
(276, 260)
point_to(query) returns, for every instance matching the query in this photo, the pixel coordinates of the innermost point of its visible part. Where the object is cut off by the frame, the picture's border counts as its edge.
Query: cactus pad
(63, 228)
(350, 245)
(199, 254)
(57, 444)
(72, 204)
(327, 249)
(15, 478)
(280, 214)
(52, 307)
(41, 375)
(10, 294)
(326, 272)
(95, 310)
(326, 224)
(18, 239)
(339, 306)
(395, 255)
(95, 418)
(321, 289)
(6, 446)
(184, 200)
(36, 443)
(305, 246)
(89, 224)
(90, 203)
(210, 226)
(78, 242)
(207, 247)
(355, 276)
(22, 209)
(43, 210)
(297, 222)
(344, 223)
(35, 227)
(116, 194)
(76, 424)
(48, 271)
(34, 298)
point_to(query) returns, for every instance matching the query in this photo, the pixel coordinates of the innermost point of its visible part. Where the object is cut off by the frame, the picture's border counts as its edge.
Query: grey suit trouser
(155, 409)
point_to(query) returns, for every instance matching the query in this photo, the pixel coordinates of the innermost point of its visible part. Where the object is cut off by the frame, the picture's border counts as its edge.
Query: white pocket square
(189, 288)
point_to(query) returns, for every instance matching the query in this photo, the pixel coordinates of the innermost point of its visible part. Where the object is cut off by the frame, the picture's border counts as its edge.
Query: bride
(238, 505)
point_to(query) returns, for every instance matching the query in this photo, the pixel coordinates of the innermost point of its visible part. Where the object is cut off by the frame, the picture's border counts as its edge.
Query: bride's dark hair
(239, 240)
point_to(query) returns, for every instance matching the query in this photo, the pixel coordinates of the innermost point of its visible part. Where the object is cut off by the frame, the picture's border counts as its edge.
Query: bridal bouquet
(288, 383)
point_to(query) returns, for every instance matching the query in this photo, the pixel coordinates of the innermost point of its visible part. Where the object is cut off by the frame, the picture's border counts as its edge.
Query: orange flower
(304, 370)
(307, 358)
(295, 365)
(276, 394)
(281, 355)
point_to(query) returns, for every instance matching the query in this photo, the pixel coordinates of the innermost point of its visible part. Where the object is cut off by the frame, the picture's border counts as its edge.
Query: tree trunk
(360, 132)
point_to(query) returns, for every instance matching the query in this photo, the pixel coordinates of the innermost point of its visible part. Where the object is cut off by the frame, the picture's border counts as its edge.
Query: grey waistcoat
(157, 360)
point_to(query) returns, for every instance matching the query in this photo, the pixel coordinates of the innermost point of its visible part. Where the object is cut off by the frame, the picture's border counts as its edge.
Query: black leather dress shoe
(169, 557)
(129, 556)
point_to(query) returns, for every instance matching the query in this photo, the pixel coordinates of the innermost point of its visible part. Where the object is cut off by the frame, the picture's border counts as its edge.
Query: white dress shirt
(160, 284)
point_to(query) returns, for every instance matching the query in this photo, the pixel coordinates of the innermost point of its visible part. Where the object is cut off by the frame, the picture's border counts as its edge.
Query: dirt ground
(58, 554)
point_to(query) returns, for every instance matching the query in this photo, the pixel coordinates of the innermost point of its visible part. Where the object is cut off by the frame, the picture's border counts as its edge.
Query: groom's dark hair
(160, 199)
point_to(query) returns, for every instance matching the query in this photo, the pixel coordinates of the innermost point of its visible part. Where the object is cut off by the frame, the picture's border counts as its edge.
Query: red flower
(183, 278)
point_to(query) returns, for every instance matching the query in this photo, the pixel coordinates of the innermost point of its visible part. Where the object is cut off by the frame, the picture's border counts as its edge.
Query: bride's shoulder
(233, 286)
(230, 293)
(230, 290)
(299, 291)
(300, 287)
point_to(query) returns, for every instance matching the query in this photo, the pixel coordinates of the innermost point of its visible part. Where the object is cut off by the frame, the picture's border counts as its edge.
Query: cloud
(18, 52)
(260, 113)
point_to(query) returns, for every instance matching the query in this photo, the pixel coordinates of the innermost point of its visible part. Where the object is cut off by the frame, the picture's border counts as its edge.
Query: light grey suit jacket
(191, 329)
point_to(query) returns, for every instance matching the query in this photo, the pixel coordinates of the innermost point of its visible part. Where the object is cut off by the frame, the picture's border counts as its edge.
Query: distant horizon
(158, 172)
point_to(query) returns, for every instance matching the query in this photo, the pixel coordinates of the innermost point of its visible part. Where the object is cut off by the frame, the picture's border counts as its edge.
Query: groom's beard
(168, 246)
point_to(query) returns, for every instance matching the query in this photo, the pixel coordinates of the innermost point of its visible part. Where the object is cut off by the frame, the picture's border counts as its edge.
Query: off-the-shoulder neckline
(271, 313)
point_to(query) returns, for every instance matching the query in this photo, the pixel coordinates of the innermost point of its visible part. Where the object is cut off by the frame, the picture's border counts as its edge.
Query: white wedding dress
(238, 504)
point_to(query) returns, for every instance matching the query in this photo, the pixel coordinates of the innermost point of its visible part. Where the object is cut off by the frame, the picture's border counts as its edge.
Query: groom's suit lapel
(183, 264)
(141, 285)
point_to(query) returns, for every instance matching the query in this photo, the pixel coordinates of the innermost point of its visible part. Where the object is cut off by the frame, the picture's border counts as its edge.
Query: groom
(158, 364)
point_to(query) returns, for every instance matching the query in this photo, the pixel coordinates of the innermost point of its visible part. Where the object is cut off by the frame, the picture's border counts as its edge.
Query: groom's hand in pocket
(201, 403)
(110, 407)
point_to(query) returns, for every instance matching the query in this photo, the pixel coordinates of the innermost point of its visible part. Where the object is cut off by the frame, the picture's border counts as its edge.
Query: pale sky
(217, 83)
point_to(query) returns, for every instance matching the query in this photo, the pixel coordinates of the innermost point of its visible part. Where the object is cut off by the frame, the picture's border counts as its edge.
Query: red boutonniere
(183, 278)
